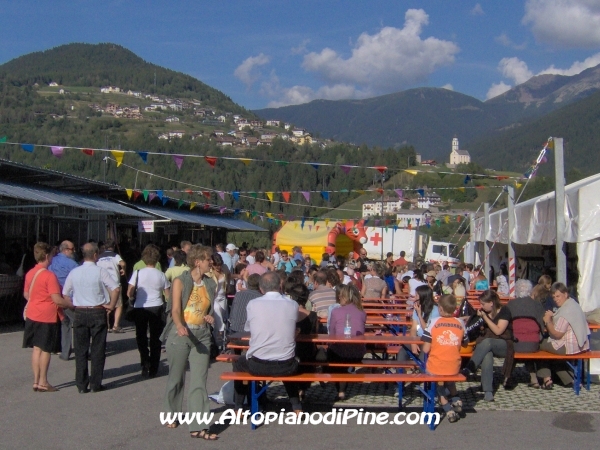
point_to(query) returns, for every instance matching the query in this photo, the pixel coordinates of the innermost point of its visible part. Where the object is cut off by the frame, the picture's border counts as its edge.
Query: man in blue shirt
(61, 266)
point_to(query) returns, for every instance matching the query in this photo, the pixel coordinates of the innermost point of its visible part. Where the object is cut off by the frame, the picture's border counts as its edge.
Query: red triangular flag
(211, 160)
(206, 206)
(286, 196)
(380, 191)
(88, 151)
(206, 194)
(381, 169)
(136, 194)
(189, 191)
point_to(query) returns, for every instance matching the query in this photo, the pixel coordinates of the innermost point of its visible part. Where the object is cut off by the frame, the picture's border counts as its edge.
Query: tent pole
(512, 276)
(486, 248)
(559, 175)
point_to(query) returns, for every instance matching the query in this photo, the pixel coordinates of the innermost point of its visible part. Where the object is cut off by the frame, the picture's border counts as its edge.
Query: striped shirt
(322, 298)
(569, 340)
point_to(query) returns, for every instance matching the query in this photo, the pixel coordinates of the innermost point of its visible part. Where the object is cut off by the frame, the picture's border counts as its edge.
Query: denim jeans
(149, 318)
(89, 324)
(267, 368)
(484, 355)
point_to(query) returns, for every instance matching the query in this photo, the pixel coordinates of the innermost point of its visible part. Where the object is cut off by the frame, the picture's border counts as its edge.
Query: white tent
(535, 223)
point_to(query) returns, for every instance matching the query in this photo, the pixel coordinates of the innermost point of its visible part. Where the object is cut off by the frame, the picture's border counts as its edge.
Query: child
(443, 339)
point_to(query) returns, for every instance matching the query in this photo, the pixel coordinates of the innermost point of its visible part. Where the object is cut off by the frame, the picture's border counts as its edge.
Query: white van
(440, 252)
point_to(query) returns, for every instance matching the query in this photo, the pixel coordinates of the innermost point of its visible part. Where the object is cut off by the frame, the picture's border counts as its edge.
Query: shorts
(44, 335)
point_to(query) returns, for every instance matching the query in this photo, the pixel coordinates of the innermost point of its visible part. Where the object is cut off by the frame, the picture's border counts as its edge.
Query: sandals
(172, 425)
(535, 385)
(204, 434)
(548, 385)
(35, 387)
(457, 406)
(117, 330)
(46, 388)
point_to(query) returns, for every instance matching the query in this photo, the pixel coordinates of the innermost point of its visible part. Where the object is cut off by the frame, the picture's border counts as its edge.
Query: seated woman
(459, 289)
(425, 311)
(542, 293)
(480, 282)
(496, 340)
(350, 311)
(375, 286)
(568, 334)
(502, 280)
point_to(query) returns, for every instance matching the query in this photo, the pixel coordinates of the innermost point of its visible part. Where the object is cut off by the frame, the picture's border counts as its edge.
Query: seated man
(271, 321)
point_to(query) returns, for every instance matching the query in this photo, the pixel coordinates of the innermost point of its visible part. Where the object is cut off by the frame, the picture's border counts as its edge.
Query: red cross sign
(376, 239)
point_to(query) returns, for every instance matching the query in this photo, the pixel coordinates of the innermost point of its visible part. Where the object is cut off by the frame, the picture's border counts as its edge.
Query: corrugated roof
(51, 196)
(201, 219)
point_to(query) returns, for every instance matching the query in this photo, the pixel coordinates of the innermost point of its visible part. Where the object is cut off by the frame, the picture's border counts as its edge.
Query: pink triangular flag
(57, 151)
(399, 192)
(306, 195)
(346, 169)
(152, 196)
(222, 195)
(310, 228)
(222, 209)
(178, 160)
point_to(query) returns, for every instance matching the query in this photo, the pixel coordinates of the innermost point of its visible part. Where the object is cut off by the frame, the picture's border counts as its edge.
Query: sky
(271, 53)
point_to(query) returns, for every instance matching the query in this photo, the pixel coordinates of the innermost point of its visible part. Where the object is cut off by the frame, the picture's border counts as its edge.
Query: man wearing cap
(231, 257)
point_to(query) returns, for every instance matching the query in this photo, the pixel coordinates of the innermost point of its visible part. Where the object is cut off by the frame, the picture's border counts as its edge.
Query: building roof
(461, 152)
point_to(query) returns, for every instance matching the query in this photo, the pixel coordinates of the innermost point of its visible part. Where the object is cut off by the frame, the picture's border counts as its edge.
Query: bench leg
(588, 375)
(577, 374)
(253, 402)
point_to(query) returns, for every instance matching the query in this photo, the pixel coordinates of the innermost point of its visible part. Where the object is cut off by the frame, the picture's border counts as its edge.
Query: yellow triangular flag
(518, 185)
(412, 172)
(295, 226)
(269, 196)
(245, 160)
(247, 213)
(326, 222)
(192, 205)
(447, 219)
(118, 154)
(270, 215)
(129, 193)
(461, 189)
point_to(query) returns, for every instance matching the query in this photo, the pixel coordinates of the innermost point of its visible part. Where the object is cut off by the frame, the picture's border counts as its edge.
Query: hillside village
(224, 128)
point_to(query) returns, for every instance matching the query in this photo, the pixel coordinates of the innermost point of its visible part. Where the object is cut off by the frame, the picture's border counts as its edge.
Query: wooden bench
(577, 367)
(429, 390)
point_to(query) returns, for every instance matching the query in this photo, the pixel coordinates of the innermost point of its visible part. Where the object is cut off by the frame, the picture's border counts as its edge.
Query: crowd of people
(199, 296)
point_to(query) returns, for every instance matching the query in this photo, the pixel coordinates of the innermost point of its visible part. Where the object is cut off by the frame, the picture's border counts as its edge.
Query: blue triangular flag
(144, 156)
(236, 212)
(315, 166)
(165, 200)
(325, 195)
(467, 179)
(27, 147)
(421, 192)
(236, 196)
(159, 194)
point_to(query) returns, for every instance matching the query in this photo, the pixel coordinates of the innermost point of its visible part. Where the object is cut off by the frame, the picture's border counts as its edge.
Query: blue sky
(272, 53)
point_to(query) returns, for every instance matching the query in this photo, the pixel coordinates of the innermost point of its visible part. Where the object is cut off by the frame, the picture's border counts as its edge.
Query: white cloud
(448, 86)
(296, 95)
(301, 47)
(246, 72)
(386, 61)
(564, 23)
(497, 89)
(576, 68)
(477, 10)
(515, 69)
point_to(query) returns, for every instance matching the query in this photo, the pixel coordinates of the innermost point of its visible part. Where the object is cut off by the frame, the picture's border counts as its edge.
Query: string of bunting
(178, 159)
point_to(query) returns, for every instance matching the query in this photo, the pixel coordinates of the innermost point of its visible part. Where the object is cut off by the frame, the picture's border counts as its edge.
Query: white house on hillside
(458, 156)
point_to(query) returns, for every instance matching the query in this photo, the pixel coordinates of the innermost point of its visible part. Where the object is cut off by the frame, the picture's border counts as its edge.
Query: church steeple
(455, 144)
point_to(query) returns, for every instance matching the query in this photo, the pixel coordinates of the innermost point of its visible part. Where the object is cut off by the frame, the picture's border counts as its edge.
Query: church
(458, 156)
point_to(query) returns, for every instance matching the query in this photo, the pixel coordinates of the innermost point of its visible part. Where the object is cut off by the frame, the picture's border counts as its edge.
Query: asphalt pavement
(126, 415)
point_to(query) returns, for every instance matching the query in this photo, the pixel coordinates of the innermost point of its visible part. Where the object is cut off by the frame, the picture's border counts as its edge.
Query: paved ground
(126, 415)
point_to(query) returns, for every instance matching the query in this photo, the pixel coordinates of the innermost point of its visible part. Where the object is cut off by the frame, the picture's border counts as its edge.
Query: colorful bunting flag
(211, 160)
(151, 196)
(399, 192)
(421, 192)
(236, 196)
(412, 172)
(88, 151)
(467, 179)
(27, 147)
(222, 195)
(165, 200)
(380, 169)
(57, 151)
(346, 169)
(325, 195)
(192, 205)
(189, 191)
(160, 194)
(144, 156)
(178, 161)
(286, 196)
(315, 166)
(136, 194)
(145, 192)
(252, 194)
(118, 154)
(269, 196)
(3, 140)
(206, 194)
(179, 204)
(282, 163)
(246, 161)
(222, 209)
(306, 195)
(442, 175)
(129, 193)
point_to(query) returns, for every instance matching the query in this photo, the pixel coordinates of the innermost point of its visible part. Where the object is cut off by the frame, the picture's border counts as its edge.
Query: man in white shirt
(271, 321)
(92, 291)
(110, 261)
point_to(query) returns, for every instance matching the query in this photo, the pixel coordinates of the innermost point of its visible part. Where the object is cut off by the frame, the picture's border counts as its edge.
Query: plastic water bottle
(347, 328)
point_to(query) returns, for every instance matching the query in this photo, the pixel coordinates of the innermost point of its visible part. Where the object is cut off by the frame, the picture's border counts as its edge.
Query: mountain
(428, 118)
(577, 123)
(97, 65)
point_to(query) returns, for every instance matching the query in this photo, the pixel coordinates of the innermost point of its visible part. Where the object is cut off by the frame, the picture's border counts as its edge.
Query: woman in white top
(149, 306)
(502, 280)
(220, 304)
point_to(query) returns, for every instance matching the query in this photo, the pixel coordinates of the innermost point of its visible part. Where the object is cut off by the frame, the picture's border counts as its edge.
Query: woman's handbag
(130, 313)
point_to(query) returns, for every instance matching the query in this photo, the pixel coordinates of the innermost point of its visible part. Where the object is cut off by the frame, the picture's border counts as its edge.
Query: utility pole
(559, 197)
(512, 273)
(486, 249)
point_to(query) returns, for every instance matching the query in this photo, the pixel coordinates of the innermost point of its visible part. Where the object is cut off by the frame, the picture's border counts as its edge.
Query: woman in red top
(42, 325)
